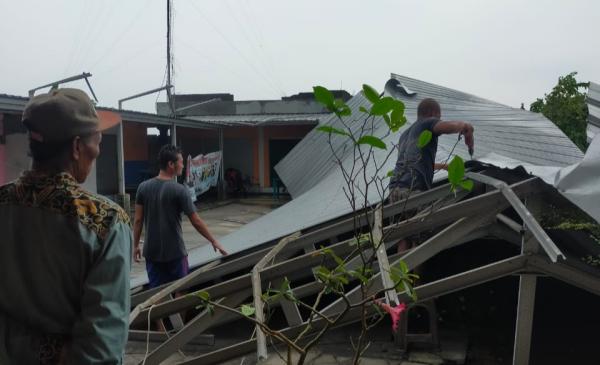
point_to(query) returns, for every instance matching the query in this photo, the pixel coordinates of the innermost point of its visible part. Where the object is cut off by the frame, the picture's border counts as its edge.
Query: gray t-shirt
(164, 201)
(414, 167)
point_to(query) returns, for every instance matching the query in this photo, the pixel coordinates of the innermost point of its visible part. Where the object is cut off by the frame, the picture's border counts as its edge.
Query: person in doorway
(159, 204)
(66, 253)
(415, 166)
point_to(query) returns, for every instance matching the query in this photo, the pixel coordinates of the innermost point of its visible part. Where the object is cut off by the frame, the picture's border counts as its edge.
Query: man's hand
(467, 132)
(218, 247)
(440, 166)
(137, 254)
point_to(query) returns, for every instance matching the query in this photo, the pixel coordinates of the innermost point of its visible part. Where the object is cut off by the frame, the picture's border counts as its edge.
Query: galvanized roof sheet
(593, 102)
(511, 132)
(14, 103)
(261, 119)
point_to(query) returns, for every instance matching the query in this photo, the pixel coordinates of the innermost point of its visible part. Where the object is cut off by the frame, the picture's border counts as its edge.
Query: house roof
(262, 119)
(16, 104)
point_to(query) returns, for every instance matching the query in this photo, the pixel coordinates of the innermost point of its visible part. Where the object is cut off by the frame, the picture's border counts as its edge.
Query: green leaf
(391, 173)
(330, 129)
(398, 106)
(397, 120)
(247, 310)
(344, 280)
(371, 94)
(467, 185)
(383, 106)
(424, 138)
(388, 120)
(456, 170)
(324, 96)
(203, 295)
(210, 308)
(372, 141)
(363, 109)
(403, 267)
(357, 274)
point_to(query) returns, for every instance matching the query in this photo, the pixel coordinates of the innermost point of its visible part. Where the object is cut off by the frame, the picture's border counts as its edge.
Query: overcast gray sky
(508, 51)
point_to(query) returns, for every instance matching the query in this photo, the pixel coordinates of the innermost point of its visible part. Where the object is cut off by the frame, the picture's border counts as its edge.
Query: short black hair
(54, 153)
(428, 108)
(168, 153)
(44, 152)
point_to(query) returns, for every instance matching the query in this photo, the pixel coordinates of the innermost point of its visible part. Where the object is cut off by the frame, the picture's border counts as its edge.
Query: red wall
(135, 143)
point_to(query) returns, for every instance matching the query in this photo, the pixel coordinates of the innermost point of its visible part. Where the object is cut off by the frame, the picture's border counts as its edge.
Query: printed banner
(202, 173)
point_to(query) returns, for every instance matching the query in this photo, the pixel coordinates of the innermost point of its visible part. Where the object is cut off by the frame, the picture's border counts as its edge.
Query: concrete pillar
(261, 157)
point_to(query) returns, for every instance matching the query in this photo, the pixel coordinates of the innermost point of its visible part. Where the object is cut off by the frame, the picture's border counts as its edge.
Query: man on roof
(415, 166)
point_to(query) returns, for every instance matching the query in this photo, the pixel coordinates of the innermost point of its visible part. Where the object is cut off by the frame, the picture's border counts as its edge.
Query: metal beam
(439, 242)
(316, 235)
(55, 84)
(382, 258)
(568, 274)
(166, 87)
(525, 306)
(261, 340)
(524, 327)
(154, 336)
(424, 292)
(169, 289)
(192, 329)
(510, 223)
(443, 216)
(545, 241)
(444, 239)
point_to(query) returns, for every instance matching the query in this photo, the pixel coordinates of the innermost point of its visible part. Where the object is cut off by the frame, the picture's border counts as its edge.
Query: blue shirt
(64, 267)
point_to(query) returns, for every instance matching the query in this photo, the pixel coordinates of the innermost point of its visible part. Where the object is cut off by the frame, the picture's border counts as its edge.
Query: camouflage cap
(63, 114)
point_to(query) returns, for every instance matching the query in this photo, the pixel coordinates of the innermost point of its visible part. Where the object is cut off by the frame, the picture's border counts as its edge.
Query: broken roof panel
(593, 102)
(511, 132)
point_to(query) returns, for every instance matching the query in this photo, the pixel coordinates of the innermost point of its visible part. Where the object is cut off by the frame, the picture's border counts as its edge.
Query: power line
(242, 56)
(120, 37)
(256, 30)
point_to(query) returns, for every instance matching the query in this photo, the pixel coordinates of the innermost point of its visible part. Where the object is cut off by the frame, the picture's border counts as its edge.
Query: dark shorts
(165, 272)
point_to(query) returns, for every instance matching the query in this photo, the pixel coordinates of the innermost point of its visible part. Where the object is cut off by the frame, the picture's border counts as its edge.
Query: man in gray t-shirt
(159, 204)
(415, 166)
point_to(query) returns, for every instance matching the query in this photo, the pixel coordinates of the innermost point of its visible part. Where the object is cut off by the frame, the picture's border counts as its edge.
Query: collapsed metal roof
(488, 211)
(316, 183)
(593, 103)
(511, 132)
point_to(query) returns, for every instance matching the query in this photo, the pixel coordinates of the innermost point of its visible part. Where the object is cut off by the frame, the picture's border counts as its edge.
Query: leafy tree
(565, 106)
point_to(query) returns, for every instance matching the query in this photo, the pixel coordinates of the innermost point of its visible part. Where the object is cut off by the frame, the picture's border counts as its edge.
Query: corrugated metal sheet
(13, 103)
(261, 119)
(593, 102)
(511, 132)
(316, 183)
